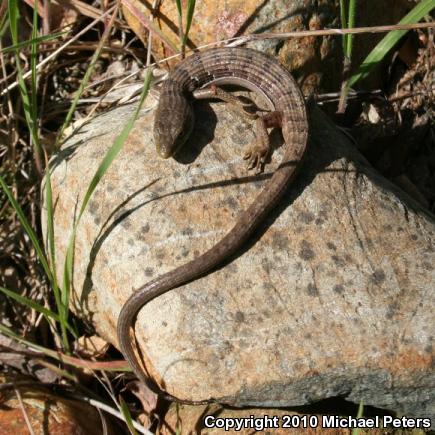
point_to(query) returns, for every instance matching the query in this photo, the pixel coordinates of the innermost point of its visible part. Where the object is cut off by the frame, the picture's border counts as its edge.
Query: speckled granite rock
(333, 297)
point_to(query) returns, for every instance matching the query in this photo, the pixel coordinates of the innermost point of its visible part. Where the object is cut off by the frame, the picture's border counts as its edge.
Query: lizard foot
(256, 157)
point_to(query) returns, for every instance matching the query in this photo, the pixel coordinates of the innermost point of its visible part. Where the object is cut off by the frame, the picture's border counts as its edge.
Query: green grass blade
(31, 304)
(47, 313)
(127, 416)
(27, 227)
(360, 414)
(388, 42)
(116, 146)
(14, 14)
(189, 18)
(11, 334)
(48, 196)
(33, 62)
(29, 109)
(36, 41)
(179, 8)
(350, 24)
(4, 25)
(102, 169)
(343, 20)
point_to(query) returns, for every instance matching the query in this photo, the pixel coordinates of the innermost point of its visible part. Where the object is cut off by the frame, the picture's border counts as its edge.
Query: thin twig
(23, 410)
(326, 32)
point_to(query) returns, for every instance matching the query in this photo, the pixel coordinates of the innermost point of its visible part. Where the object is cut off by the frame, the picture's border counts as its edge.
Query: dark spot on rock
(149, 271)
(130, 242)
(392, 308)
(266, 314)
(428, 348)
(306, 217)
(178, 257)
(265, 265)
(196, 253)
(160, 254)
(307, 336)
(400, 229)
(164, 323)
(369, 242)
(188, 231)
(427, 266)
(306, 252)
(97, 220)
(185, 252)
(331, 246)
(240, 317)
(93, 207)
(414, 236)
(338, 261)
(248, 283)
(348, 258)
(388, 227)
(378, 277)
(312, 290)
(319, 221)
(232, 203)
(145, 228)
(182, 208)
(338, 288)
(323, 214)
(126, 223)
(109, 188)
(235, 138)
(280, 241)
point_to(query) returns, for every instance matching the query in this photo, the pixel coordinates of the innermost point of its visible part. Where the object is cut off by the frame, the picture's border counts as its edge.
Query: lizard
(197, 76)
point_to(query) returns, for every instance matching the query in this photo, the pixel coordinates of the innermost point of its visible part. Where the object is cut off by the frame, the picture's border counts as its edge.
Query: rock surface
(333, 297)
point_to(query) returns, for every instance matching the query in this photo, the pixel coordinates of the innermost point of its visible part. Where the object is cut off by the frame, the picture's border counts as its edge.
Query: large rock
(332, 297)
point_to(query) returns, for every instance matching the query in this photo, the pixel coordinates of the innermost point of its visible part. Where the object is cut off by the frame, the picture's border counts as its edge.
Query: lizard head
(173, 122)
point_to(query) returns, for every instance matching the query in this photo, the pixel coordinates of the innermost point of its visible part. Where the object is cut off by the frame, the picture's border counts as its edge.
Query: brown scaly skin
(173, 124)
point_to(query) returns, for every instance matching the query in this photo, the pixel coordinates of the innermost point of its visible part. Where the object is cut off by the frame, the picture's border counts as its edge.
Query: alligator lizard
(173, 124)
